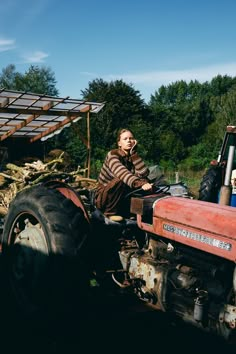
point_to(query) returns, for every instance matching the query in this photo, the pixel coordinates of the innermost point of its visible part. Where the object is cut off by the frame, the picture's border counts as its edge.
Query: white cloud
(149, 81)
(35, 57)
(88, 73)
(6, 44)
(158, 78)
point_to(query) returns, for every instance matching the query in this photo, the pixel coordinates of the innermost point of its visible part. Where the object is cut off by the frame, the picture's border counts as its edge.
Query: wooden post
(176, 177)
(88, 145)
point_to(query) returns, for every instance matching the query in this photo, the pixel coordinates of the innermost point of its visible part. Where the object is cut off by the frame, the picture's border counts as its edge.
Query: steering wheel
(158, 189)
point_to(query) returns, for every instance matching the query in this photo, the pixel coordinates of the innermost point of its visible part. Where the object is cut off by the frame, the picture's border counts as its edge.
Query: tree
(224, 110)
(183, 109)
(37, 80)
(220, 85)
(124, 108)
(9, 78)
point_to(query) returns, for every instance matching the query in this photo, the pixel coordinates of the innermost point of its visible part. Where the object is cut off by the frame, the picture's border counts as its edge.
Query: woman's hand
(147, 186)
(133, 148)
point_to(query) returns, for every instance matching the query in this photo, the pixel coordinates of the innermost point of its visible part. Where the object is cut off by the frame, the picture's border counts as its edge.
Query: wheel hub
(29, 253)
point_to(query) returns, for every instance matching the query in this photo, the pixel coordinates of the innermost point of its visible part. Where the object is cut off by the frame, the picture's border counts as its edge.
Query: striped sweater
(128, 169)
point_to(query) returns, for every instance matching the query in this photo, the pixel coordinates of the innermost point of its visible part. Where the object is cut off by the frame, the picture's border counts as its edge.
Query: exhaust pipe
(226, 189)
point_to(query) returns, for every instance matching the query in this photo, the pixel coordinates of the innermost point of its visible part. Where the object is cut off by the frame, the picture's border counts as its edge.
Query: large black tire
(210, 185)
(45, 250)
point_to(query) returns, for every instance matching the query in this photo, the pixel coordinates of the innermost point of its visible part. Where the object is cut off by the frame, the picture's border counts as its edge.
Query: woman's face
(126, 141)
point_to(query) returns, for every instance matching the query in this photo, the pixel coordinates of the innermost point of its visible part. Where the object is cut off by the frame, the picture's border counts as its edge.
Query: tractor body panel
(205, 226)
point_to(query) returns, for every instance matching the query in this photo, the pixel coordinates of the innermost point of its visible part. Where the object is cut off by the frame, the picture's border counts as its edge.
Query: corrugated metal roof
(34, 116)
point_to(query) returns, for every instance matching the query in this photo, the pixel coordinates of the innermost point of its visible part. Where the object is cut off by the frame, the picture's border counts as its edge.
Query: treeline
(181, 127)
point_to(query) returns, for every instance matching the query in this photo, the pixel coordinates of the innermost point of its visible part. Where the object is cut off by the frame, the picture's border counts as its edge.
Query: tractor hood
(206, 226)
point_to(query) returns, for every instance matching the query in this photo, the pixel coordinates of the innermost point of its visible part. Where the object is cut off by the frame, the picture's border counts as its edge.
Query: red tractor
(178, 255)
(218, 185)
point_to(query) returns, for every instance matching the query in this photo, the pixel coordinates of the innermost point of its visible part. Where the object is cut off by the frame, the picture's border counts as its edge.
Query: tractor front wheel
(45, 250)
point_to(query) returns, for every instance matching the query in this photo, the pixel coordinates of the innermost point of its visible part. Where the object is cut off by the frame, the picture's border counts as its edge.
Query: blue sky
(147, 43)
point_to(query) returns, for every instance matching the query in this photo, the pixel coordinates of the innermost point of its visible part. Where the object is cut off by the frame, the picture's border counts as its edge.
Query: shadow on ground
(109, 324)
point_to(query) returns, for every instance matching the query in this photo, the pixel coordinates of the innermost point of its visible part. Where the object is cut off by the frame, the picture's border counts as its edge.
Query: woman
(123, 171)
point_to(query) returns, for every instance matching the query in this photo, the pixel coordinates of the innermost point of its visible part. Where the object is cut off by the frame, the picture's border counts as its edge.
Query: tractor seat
(118, 220)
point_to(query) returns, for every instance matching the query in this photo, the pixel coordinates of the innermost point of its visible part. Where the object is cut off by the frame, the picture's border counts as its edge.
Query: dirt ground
(110, 324)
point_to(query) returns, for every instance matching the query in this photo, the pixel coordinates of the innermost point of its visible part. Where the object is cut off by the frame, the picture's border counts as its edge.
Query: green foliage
(171, 147)
(9, 79)
(144, 134)
(220, 85)
(184, 109)
(69, 141)
(226, 114)
(40, 80)
(96, 166)
(198, 158)
(224, 108)
(76, 150)
(124, 109)
(182, 126)
(195, 116)
(36, 80)
(167, 165)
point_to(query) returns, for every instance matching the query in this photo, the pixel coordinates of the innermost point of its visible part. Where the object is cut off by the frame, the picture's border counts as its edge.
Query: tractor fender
(69, 193)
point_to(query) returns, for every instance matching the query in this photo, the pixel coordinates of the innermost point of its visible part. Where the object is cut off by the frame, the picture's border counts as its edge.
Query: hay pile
(17, 177)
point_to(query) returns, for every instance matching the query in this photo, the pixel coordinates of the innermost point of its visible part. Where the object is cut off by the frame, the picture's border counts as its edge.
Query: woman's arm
(119, 170)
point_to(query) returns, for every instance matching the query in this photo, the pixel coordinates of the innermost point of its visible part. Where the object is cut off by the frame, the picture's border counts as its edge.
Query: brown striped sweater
(129, 169)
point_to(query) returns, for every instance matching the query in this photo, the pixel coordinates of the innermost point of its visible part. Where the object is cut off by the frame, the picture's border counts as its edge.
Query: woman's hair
(121, 131)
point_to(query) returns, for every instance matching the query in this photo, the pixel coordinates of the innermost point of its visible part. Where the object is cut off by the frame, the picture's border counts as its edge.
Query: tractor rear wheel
(210, 185)
(44, 251)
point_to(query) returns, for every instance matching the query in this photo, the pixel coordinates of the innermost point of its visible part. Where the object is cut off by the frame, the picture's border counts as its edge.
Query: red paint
(210, 220)
(70, 194)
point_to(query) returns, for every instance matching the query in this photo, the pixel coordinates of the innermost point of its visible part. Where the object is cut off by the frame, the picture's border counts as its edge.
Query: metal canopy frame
(34, 116)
